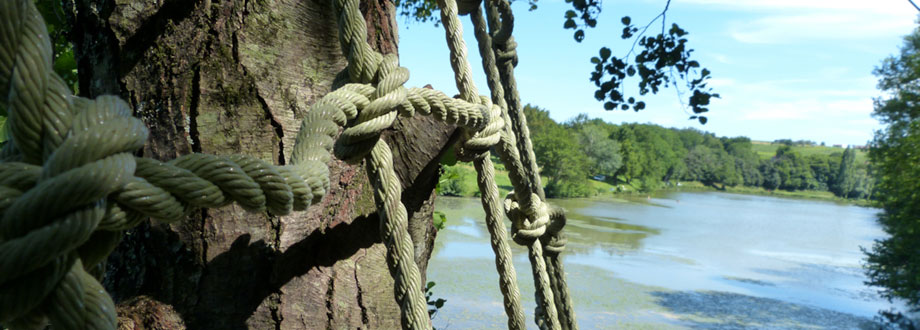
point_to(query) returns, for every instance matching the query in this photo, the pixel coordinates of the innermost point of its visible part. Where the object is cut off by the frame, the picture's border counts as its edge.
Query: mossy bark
(226, 77)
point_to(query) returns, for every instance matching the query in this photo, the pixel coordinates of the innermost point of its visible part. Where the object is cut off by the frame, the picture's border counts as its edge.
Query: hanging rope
(501, 44)
(475, 148)
(553, 241)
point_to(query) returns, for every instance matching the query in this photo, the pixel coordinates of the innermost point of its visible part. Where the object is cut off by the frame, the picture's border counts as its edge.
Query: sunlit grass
(766, 150)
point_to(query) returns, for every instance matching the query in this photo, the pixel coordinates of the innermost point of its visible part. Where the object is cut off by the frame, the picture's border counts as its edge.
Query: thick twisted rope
(76, 185)
(362, 137)
(504, 47)
(553, 241)
(527, 225)
(475, 148)
(508, 151)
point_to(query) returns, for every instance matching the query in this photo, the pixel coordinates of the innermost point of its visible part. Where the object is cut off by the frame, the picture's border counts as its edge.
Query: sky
(798, 69)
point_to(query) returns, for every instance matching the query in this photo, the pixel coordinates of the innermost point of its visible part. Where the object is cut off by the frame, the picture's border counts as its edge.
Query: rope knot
(506, 51)
(48, 221)
(553, 239)
(388, 99)
(527, 223)
(476, 144)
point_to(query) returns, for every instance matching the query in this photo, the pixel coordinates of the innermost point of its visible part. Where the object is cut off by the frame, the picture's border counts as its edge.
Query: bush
(457, 180)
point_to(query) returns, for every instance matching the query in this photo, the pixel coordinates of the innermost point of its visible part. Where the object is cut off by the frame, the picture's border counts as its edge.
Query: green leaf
(595, 60)
(605, 53)
(579, 35)
(625, 20)
(449, 158)
(3, 128)
(570, 14)
(569, 24)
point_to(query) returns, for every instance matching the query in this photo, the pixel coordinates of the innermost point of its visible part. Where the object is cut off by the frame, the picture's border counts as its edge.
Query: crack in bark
(279, 130)
(275, 309)
(359, 294)
(330, 295)
(193, 111)
(204, 257)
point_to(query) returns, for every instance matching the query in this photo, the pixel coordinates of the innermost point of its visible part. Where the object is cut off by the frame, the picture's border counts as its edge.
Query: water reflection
(635, 263)
(610, 234)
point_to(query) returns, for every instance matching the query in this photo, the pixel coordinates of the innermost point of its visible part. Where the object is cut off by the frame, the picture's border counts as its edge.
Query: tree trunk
(225, 77)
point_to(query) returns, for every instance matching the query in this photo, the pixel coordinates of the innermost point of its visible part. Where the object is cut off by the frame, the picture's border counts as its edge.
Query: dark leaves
(664, 60)
(584, 10)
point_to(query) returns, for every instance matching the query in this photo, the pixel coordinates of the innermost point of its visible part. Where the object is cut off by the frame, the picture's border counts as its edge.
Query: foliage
(846, 174)
(559, 156)
(663, 61)
(647, 157)
(434, 305)
(662, 56)
(711, 166)
(594, 139)
(457, 181)
(65, 64)
(893, 262)
(439, 220)
(418, 10)
(3, 134)
(423, 11)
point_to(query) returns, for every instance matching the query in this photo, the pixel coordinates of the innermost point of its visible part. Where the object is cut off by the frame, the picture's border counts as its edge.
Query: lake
(682, 260)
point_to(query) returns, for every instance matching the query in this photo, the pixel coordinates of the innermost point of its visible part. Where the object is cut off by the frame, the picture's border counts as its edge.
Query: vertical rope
(394, 225)
(502, 46)
(484, 168)
(554, 241)
(503, 260)
(367, 66)
(506, 55)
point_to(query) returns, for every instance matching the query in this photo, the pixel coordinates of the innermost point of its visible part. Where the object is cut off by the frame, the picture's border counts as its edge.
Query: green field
(766, 150)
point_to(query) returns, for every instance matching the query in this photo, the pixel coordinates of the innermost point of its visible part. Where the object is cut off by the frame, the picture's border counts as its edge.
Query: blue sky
(799, 69)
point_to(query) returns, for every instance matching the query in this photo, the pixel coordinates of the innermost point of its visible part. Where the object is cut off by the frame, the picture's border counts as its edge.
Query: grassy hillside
(766, 150)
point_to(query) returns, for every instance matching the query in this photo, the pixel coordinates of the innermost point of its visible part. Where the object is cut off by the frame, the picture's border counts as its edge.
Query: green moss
(262, 56)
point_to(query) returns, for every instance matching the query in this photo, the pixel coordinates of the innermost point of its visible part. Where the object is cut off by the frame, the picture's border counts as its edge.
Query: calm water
(686, 260)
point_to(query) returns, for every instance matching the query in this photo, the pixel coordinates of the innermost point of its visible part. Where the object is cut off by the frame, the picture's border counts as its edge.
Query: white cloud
(825, 25)
(886, 7)
(790, 21)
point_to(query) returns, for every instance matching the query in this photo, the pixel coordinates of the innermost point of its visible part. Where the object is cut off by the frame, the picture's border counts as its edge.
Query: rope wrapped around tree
(70, 183)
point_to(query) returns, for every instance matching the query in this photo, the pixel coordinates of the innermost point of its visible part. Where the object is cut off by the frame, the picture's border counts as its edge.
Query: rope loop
(506, 51)
(476, 144)
(527, 224)
(43, 231)
(388, 100)
(553, 239)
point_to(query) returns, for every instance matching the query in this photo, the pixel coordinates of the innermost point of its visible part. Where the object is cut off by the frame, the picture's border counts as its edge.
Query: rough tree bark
(227, 77)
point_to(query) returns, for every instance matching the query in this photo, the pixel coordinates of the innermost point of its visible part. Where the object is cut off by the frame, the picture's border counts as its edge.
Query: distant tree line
(790, 142)
(647, 157)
